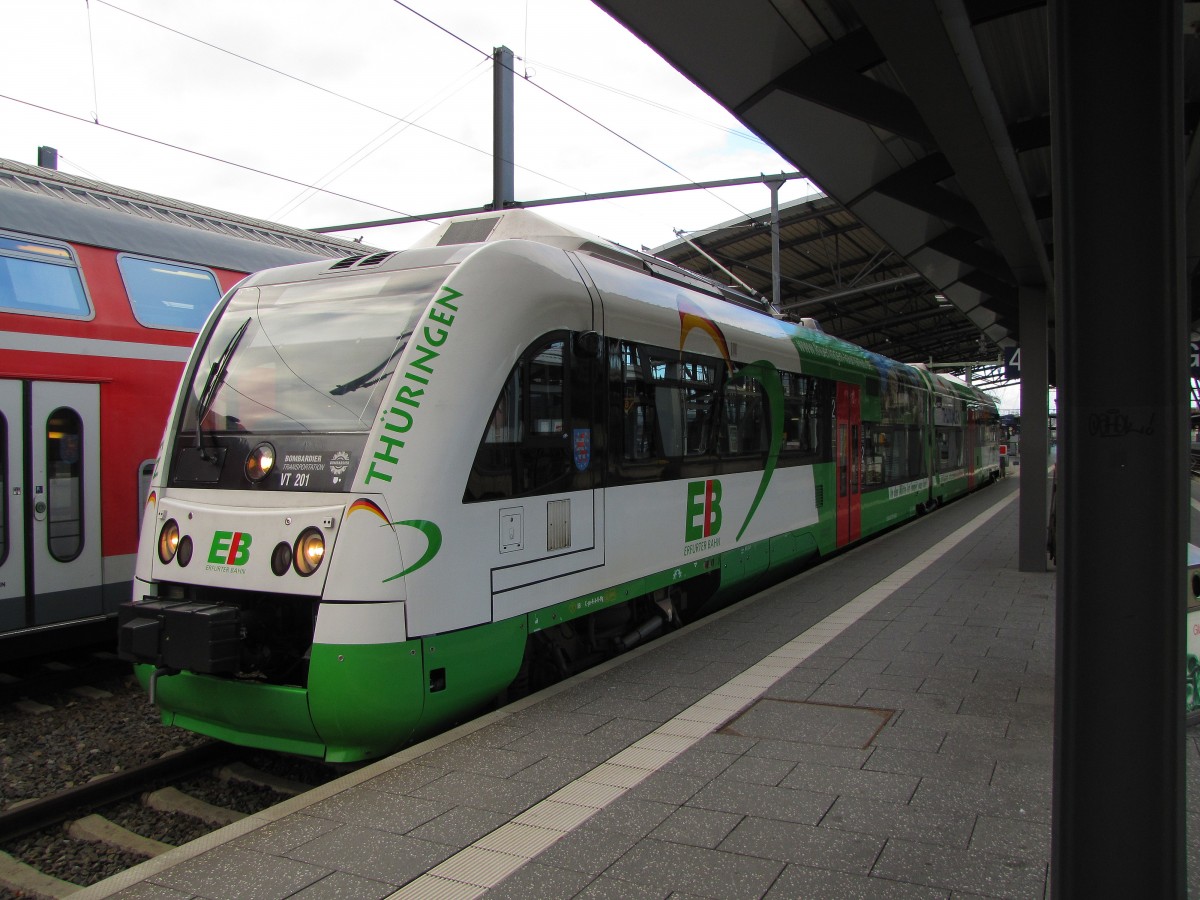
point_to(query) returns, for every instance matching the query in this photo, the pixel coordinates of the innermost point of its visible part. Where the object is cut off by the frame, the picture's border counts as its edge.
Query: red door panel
(970, 449)
(849, 464)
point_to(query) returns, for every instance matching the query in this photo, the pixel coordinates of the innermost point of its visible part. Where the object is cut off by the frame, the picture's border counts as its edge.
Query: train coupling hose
(154, 676)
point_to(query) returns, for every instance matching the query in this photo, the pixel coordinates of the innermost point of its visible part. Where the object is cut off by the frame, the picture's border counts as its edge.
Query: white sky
(153, 83)
(98, 60)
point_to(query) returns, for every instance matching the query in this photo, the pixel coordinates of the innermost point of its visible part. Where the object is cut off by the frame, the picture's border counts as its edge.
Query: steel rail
(31, 815)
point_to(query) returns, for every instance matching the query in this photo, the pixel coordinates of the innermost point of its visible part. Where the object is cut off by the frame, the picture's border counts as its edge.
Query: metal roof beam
(834, 79)
(931, 47)
(855, 292)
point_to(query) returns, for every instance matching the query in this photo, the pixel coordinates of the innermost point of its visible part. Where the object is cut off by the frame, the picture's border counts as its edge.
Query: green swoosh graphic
(764, 372)
(432, 533)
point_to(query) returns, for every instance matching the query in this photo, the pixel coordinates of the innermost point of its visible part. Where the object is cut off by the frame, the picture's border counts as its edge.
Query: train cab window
(166, 294)
(64, 484)
(41, 279)
(528, 444)
(546, 390)
(507, 425)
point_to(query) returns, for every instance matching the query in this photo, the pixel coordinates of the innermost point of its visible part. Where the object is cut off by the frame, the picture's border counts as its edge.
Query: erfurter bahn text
(389, 491)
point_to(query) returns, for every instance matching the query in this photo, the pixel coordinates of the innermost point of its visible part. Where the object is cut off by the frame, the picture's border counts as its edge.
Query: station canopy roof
(928, 125)
(837, 271)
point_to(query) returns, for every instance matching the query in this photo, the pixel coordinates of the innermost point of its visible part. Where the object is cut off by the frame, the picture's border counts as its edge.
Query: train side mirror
(588, 344)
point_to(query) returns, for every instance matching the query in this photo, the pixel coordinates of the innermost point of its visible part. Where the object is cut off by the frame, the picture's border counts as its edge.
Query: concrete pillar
(1035, 425)
(1116, 95)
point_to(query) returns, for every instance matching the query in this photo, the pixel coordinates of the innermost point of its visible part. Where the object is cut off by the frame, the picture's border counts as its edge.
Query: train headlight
(184, 555)
(309, 551)
(260, 462)
(168, 541)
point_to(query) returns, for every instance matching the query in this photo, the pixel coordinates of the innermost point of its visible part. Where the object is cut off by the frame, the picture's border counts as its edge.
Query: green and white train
(393, 486)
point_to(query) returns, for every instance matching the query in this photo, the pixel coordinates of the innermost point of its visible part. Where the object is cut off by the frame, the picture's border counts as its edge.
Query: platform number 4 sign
(1012, 362)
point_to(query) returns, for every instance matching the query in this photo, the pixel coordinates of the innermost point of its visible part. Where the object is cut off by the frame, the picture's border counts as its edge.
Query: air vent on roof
(377, 258)
(345, 263)
(471, 231)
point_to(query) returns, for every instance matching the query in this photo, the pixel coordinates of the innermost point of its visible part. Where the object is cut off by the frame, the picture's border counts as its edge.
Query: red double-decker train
(102, 292)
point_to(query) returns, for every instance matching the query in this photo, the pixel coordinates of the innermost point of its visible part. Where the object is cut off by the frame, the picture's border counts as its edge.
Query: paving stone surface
(908, 757)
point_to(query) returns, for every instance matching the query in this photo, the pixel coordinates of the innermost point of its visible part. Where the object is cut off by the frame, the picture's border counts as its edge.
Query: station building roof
(836, 270)
(927, 122)
(38, 200)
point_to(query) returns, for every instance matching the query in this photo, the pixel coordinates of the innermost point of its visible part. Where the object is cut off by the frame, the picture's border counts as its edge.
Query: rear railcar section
(965, 438)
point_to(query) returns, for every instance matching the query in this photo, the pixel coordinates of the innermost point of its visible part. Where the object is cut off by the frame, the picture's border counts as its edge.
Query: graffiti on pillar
(1191, 689)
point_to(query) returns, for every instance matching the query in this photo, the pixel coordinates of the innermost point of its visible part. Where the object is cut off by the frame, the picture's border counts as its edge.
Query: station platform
(879, 726)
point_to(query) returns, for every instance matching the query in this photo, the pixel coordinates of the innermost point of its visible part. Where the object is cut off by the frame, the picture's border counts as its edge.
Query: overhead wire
(394, 130)
(397, 119)
(208, 156)
(567, 104)
(319, 87)
(92, 58)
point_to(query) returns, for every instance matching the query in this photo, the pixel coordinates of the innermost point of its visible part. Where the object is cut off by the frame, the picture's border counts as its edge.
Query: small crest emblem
(581, 440)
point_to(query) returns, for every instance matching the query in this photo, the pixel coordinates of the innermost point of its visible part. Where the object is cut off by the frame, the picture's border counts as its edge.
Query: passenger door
(555, 532)
(849, 464)
(51, 571)
(12, 507)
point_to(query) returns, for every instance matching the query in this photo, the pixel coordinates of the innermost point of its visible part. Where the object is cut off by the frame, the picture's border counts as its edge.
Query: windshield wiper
(374, 375)
(216, 375)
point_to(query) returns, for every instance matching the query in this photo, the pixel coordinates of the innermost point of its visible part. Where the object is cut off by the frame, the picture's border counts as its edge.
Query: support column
(1116, 96)
(503, 187)
(1035, 426)
(775, 184)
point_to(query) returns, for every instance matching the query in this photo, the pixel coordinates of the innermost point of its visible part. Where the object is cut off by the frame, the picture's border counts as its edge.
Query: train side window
(684, 386)
(892, 454)
(637, 402)
(893, 451)
(950, 449)
(806, 414)
(167, 294)
(744, 419)
(41, 279)
(64, 484)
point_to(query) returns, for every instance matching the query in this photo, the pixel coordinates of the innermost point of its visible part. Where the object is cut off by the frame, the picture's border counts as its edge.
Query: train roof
(53, 204)
(455, 239)
(952, 385)
(521, 224)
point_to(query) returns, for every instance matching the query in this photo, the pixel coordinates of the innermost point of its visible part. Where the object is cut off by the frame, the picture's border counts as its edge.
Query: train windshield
(310, 357)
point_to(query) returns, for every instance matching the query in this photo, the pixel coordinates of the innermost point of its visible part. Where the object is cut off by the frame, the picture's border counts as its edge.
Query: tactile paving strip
(477, 868)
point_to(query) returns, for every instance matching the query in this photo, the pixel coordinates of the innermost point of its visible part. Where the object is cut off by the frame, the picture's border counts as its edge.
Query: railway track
(56, 845)
(29, 679)
(91, 782)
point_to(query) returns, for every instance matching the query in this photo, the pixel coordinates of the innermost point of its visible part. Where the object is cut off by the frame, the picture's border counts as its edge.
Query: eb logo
(703, 509)
(230, 548)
